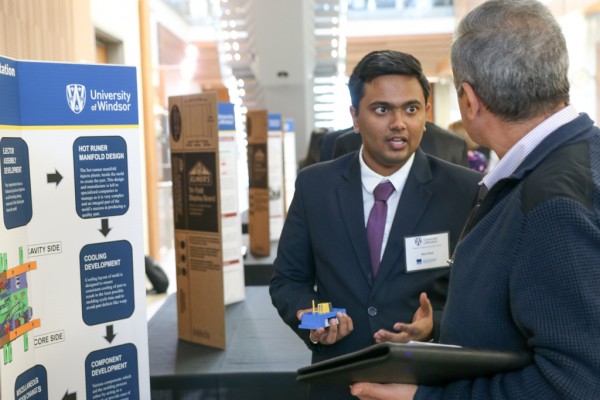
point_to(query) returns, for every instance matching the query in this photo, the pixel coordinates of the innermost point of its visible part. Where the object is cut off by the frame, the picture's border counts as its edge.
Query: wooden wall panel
(172, 51)
(209, 69)
(48, 30)
(433, 51)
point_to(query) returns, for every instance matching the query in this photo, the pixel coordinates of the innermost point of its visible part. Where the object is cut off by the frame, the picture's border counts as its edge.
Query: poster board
(290, 162)
(275, 173)
(231, 220)
(72, 309)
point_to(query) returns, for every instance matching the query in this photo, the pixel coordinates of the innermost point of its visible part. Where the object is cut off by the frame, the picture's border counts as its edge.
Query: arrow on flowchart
(109, 333)
(105, 229)
(70, 396)
(56, 177)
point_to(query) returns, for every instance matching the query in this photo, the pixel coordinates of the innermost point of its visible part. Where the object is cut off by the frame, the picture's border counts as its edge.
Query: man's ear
(354, 114)
(472, 105)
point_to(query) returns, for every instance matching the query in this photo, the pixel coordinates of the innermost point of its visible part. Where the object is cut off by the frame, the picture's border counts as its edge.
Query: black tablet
(414, 362)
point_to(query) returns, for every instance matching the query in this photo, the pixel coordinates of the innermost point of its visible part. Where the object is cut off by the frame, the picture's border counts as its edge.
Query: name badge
(426, 252)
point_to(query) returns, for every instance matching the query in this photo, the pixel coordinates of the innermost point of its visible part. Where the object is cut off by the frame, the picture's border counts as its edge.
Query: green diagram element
(15, 313)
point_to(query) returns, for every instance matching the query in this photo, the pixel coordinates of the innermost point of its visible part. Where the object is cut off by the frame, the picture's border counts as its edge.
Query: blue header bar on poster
(9, 87)
(289, 125)
(275, 122)
(226, 117)
(57, 94)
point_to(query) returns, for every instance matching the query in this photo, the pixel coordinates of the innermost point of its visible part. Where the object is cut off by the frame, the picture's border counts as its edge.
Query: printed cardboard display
(290, 163)
(207, 223)
(275, 174)
(258, 212)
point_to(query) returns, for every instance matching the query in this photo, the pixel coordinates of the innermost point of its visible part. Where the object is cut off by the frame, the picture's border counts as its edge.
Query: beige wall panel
(48, 30)
(433, 51)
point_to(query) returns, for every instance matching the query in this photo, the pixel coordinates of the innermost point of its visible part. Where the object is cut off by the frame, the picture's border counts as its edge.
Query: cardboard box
(258, 208)
(204, 234)
(290, 162)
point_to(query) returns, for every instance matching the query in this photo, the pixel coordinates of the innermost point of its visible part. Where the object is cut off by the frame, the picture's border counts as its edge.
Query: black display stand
(258, 270)
(414, 363)
(261, 360)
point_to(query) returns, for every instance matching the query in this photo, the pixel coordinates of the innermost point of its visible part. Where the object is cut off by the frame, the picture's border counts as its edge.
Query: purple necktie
(376, 223)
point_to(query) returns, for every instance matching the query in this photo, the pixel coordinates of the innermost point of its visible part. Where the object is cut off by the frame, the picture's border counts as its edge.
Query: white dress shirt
(520, 150)
(370, 179)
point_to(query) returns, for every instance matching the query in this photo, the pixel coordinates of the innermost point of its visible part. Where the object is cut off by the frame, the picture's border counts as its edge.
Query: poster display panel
(72, 298)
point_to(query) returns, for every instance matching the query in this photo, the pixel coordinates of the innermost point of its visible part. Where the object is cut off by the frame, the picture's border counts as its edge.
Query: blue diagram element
(101, 177)
(107, 292)
(32, 384)
(16, 182)
(15, 313)
(112, 373)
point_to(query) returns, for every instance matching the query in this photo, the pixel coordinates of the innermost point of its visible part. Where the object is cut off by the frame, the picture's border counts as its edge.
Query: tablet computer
(413, 362)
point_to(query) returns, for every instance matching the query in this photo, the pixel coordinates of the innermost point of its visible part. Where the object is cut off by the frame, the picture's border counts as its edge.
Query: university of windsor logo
(76, 97)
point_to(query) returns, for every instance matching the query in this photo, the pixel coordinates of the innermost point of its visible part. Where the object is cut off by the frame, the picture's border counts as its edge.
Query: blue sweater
(526, 277)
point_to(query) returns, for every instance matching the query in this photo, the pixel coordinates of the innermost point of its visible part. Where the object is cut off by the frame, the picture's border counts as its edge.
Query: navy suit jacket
(435, 141)
(323, 245)
(329, 141)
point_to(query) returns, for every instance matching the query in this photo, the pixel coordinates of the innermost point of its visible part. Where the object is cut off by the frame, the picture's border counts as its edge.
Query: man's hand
(376, 391)
(421, 328)
(339, 328)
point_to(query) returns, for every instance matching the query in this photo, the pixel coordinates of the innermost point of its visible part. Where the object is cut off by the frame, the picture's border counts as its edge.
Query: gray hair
(514, 55)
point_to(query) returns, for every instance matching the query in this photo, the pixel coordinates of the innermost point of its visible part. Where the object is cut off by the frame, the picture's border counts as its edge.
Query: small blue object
(315, 320)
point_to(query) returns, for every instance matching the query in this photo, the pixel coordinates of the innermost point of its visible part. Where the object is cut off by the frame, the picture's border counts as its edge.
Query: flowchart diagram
(72, 292)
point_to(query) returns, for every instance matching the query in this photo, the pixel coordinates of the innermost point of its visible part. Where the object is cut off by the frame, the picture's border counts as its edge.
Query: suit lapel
(351, 205)
(412, 206)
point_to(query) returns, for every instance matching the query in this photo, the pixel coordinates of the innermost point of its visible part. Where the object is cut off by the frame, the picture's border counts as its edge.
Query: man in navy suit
(323, 253)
